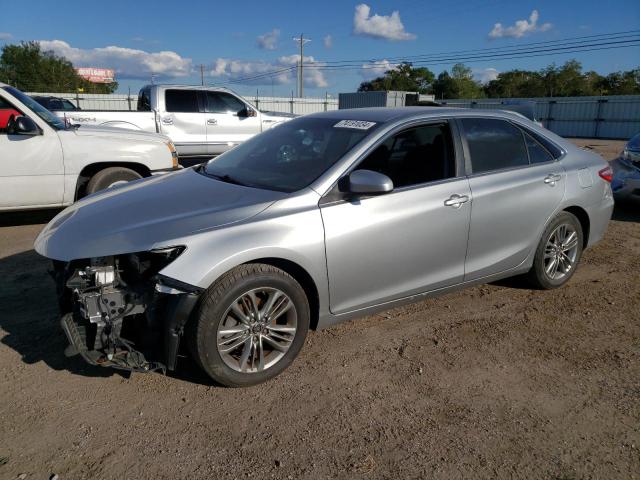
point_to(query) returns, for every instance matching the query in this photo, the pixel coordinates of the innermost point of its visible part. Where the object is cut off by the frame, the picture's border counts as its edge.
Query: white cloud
(5, 36)
(127, 62)
(269, 41)
(388, 27)
(328, 41)
(520, 28)
(240, 69)
(376, 69)
(485, 75)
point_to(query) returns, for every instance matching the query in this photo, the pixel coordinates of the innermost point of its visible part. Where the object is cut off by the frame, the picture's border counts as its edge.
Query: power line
(513, 48)
(494, 56)
(606, 41)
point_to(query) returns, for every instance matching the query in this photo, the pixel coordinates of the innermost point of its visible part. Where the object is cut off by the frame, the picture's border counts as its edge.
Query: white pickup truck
(45, 163)
(201, 121)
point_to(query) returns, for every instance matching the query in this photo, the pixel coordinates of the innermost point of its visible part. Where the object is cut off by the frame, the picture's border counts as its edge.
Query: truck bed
(112, 118)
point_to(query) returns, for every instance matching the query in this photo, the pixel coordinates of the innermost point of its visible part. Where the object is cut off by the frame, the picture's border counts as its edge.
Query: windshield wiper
(225, 178)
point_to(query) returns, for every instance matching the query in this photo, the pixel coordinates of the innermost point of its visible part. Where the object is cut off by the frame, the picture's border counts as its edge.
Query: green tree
(444, 86)
(515, 84)
(622, 83)
(30, 69)
(458, 84)
(403, 78)
(564, 81)
(466, 86)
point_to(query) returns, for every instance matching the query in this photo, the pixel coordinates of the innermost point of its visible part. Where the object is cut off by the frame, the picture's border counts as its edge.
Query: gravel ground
(497, 381)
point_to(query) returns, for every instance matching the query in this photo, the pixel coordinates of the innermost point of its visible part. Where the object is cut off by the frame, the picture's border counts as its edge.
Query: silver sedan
(324, 218)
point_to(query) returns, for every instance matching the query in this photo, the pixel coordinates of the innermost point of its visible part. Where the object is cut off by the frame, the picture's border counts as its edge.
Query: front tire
(110, 177)
(250, 325)
(558, 253)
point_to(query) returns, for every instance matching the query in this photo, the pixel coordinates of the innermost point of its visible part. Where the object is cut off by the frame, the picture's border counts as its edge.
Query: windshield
(38, 109)
(290, 156)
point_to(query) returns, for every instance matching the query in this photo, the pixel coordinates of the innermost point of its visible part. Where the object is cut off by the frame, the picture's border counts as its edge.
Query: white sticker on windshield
(357, 124)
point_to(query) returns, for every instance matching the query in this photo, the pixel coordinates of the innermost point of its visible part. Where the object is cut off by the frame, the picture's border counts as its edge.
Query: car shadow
(29, 317)
(31, 217)
(627, 210)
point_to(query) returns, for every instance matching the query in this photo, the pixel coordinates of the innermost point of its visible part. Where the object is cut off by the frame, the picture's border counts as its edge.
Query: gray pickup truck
(201, 121)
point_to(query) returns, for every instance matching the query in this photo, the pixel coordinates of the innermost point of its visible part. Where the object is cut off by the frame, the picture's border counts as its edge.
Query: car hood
(119, 133)
(148, 213)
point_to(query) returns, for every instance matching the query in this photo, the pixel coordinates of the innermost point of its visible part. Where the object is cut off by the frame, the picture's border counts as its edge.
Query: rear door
(408, 241)
(516, 186)
(184, 121)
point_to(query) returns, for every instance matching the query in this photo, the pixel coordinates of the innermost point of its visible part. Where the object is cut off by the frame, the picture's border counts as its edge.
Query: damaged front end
(119, 312)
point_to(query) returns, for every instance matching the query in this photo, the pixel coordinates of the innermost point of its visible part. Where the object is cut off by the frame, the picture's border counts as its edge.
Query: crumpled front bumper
(128, 328)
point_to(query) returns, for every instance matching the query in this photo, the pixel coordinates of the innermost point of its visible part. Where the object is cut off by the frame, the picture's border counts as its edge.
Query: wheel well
(90, 170)
(305, 281)
(583, 218)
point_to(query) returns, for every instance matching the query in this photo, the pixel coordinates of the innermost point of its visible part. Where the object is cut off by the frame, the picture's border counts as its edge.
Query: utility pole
(202, 75)
(301, 40)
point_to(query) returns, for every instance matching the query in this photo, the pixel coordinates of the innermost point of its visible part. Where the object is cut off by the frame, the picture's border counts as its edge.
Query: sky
(240, 42)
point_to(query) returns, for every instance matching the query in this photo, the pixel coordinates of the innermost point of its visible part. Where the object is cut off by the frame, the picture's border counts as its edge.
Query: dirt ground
(497, 381)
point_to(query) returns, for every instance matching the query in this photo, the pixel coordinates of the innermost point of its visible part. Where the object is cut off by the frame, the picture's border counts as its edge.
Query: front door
(31, 169)
(516, 186)
(408, 241)
(184, 121)
(225, 127)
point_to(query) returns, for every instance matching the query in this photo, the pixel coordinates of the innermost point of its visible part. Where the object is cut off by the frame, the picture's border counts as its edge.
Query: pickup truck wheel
(250, 325)
(110, 177)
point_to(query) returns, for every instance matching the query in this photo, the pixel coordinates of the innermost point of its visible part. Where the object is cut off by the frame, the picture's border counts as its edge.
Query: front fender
(297, 238)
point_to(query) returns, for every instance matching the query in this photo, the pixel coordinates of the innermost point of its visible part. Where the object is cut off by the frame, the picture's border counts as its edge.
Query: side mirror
(367, 182)
(246, 112)
(23, 126)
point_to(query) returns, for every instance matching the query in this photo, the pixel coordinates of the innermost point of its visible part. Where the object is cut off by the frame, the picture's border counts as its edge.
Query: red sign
(96, 75)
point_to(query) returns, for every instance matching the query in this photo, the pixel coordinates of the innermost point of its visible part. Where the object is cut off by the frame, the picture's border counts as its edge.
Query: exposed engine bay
(119, 312)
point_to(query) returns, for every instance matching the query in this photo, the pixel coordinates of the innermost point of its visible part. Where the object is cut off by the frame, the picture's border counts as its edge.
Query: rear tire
(250, 325)
(558, 253)
(110, 177)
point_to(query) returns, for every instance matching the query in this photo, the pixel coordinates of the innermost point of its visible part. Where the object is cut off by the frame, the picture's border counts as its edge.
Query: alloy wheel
(257, 330)
(560, 252)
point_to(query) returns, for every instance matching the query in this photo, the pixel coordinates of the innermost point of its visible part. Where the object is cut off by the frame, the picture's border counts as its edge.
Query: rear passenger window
(494, 144)
(414, 156)
(537, 153)
(181, 101)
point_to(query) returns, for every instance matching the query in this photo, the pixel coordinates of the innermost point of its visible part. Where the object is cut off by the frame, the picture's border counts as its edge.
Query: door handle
(212, 121)
(167, 120)
(552, 178)
(456, 200)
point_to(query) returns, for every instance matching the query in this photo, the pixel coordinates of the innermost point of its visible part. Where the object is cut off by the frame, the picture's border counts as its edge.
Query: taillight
(606, 174)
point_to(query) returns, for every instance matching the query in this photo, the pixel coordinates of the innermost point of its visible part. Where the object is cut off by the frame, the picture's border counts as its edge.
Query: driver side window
(221, 102)
(414, 156)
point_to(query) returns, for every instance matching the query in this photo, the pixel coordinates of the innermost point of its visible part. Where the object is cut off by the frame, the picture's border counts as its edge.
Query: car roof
(386, 114)
(187, 87)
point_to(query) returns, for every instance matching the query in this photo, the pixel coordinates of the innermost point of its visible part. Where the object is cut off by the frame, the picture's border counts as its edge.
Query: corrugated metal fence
(589, 117)
(300, 106)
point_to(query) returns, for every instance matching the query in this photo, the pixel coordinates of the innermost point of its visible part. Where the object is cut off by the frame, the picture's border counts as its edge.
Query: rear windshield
(290, 156)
